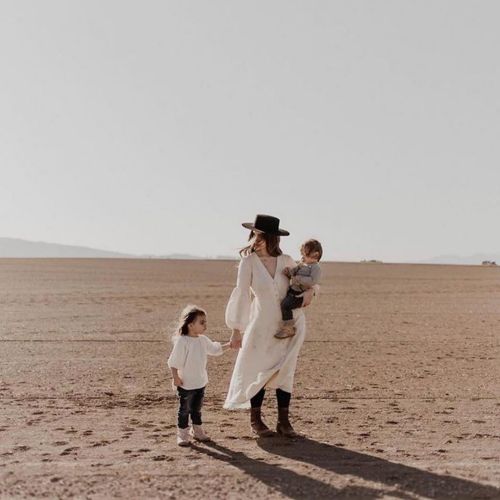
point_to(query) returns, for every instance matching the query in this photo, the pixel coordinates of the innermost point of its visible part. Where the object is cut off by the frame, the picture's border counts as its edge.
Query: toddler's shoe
(198, 433)
(183, 437)
(285, 332)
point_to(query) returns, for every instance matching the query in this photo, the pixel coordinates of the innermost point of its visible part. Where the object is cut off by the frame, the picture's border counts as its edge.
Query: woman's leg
(256, 401)
(283, 426)
(256, 423)
(283, 398)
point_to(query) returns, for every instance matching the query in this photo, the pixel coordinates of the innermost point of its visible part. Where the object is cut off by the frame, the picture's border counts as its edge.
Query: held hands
(235, 340)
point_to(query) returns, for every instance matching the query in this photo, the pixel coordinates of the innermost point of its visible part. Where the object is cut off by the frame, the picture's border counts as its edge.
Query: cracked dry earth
(396, 395)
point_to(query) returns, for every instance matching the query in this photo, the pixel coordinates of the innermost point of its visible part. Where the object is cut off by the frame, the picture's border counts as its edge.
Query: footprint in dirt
(87, 433)
(22, 448)
(59, 443)
(162, 458)
(69, 451)
(104, 442)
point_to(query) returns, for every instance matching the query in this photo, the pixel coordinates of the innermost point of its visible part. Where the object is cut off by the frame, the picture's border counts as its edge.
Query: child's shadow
(402, 481)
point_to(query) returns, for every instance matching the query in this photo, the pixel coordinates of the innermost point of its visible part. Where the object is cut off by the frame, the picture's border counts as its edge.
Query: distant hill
(467, 260)
(176, 256)
(17, 248)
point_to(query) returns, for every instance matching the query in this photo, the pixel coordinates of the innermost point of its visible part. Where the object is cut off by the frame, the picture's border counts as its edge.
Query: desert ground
(397, 391)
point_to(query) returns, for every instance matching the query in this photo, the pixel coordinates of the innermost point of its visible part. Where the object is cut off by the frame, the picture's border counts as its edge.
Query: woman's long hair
(272, 245)
(188, 316)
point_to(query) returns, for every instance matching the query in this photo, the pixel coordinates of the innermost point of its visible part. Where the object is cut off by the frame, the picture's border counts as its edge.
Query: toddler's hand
(177, 381)
(287, 272)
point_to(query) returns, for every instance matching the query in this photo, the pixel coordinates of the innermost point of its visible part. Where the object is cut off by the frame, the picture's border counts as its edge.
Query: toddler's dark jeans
(190, 403)
(290, 302)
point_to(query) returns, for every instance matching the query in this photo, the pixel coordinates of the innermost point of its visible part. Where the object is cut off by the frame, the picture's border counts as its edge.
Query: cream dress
(254, 308)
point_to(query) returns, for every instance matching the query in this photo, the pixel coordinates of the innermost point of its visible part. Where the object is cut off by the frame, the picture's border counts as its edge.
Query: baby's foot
(285, 332)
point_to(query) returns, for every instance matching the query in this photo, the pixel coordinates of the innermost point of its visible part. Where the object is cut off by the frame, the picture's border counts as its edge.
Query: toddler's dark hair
(313, 246)
(188, 315)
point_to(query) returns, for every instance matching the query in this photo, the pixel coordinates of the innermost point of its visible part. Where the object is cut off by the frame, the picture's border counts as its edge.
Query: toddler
(187, 363)
(302, 277)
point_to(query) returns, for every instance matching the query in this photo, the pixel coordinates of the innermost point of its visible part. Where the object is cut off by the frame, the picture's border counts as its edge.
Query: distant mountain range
(18, 248)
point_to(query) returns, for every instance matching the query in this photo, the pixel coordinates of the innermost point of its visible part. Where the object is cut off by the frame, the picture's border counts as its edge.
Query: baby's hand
(287, 272)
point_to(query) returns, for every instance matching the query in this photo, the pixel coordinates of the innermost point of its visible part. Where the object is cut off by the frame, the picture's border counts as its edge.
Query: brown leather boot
(258, 426)
(284, 427)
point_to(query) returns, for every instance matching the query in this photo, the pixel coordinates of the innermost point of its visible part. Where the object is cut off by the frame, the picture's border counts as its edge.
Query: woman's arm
(307, 296)
(238, 307)
(235, 340)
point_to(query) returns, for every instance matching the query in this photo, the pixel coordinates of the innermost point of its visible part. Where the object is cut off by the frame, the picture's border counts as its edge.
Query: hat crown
(267, 223)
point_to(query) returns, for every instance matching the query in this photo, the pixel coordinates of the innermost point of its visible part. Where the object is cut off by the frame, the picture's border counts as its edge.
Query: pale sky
(158, 127)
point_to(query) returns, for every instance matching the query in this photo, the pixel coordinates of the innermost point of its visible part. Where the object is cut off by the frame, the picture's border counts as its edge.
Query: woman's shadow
(401, 481)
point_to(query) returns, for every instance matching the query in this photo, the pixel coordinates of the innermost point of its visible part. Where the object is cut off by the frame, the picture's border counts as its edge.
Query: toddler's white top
(189, 356)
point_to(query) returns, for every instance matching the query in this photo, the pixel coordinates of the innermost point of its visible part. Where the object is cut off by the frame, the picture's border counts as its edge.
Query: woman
(263, 361)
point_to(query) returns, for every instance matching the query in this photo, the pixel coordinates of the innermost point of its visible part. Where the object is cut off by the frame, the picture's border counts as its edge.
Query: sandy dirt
(397, 388)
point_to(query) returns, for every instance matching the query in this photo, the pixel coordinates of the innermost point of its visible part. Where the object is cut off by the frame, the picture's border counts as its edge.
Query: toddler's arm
(308, 281)
(214, 348)
(175, 375)
(290, 271)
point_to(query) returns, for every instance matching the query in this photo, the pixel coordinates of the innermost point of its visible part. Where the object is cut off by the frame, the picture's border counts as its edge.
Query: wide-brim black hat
(266, 224)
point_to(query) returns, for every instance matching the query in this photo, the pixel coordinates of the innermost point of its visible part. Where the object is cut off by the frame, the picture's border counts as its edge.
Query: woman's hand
(235, 340)
(308, 295)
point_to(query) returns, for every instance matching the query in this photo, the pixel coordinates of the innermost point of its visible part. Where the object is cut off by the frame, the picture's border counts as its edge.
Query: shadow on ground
(400, 481)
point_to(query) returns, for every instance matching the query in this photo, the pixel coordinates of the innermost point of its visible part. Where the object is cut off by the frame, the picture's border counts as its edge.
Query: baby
(302, 277)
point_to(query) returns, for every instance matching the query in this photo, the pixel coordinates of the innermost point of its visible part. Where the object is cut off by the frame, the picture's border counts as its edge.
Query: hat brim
(250, 225)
